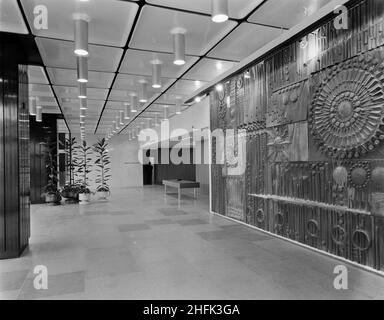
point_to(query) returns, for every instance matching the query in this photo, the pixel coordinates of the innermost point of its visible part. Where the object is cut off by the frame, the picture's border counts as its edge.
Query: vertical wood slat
(14, 198)
(2, 186)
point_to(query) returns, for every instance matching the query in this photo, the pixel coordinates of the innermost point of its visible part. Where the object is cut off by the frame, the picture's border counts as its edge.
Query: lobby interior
(205, 149)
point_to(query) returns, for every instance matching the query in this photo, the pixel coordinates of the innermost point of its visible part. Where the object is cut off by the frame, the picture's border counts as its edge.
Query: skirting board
(366, 268)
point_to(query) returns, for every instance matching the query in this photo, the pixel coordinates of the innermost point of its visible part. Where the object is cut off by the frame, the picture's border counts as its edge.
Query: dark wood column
(14, 151)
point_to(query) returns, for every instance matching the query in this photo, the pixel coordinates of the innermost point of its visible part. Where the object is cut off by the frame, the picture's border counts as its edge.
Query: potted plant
(83, 169)
(102, 163)
(51, 192)
(70, 192)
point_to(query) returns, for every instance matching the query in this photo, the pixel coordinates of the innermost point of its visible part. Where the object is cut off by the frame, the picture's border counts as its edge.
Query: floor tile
(192, 222)
(57, 285)
(133, 227)
(158, 250)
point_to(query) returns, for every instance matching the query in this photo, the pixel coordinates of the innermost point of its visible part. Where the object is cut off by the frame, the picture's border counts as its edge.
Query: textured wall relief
(346, 116)
(288, 105)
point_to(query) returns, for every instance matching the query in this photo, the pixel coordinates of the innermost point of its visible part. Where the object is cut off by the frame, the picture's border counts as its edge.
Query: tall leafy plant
(51, 192)
(71, 163)
(102, 163)
(51, 166)
(84, 165)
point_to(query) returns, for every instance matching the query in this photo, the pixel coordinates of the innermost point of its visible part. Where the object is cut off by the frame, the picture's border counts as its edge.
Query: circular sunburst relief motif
(346, 117)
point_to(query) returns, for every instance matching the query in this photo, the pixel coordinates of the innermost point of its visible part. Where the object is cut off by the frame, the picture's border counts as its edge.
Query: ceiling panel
(286, 14)
(131, 83)
(41, 90)
(155, 33)
(244, 41)
(68, 77)
(110, 21)
(115, 105)
(59, 54)
(11, 18)
(208, 69)
(37, 75)
(185, 87)
(73, 92)
(169, 99)
(238, 9)
(139, 62)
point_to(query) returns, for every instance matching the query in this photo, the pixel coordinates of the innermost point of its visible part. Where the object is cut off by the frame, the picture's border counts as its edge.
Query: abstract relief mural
(313, 112)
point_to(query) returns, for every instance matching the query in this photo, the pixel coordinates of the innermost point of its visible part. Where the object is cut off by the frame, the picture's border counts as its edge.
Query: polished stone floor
(141, 245)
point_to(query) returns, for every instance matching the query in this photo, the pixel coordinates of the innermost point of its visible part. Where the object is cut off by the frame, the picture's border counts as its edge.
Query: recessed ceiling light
(219, 11)
(219, 66)
(198, 99)
(219, 87)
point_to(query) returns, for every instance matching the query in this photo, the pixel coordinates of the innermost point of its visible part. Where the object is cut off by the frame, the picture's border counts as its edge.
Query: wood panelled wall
(313, 111)
(40, 133)
(14, 152)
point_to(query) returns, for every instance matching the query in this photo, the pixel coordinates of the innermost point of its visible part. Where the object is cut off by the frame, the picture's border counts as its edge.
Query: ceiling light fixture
(178, 105)
(179, 46)
(198, 99)
(81, 34)
(134, 102)
(121, 117)
(219, 66)
(82, 69)
(82, 120)
(39, 114)
(219, 11)
(82, 113)
(143, 91)
(32, 106)
(82, 90)
(219, 87)
(165, 113)
(83, 104)
(127, 111)
(156, 74)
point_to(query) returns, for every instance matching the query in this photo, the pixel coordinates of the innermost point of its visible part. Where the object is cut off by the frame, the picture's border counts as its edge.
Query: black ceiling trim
(42, 64)
(240, 21)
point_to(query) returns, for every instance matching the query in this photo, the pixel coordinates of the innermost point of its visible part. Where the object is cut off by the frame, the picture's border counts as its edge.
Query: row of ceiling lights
(219, 15)
(81, 50)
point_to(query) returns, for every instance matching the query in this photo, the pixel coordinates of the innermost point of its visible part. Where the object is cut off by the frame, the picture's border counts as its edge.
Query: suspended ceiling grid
(125, 36)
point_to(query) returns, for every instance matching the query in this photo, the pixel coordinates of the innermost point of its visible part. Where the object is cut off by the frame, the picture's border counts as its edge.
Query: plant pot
(84, 198)
(65, 194)
(102, 195)
(52, 199)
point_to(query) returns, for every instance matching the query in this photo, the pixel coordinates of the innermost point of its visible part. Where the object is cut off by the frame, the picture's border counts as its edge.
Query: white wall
(125, 168)
(195, 117)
